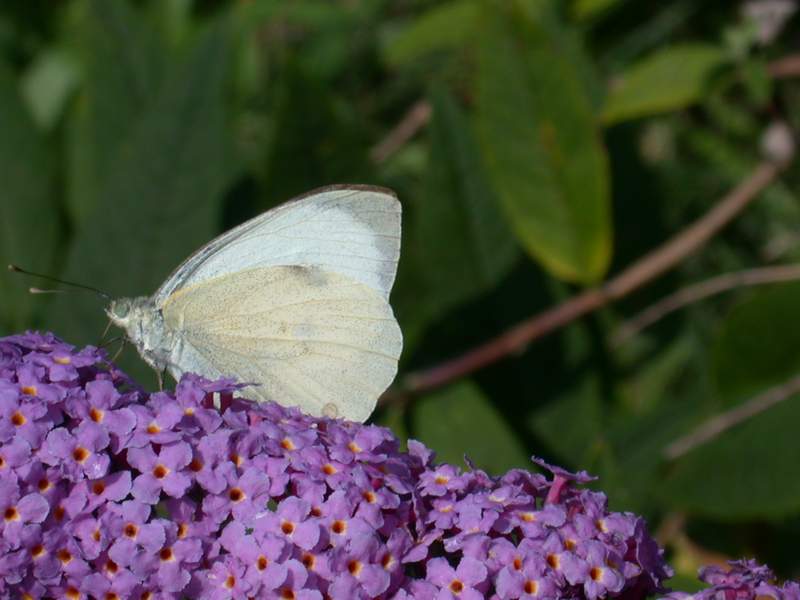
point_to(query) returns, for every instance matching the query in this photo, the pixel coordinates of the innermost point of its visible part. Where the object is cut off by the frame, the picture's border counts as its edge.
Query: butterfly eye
(120, 308)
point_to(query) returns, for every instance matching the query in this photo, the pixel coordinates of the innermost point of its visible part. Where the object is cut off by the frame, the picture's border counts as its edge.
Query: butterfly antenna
(33, 290)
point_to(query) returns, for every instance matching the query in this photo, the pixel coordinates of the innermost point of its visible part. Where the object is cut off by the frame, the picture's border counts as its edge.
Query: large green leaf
(161, 198)
(758, 345)
(443, 27)
(459, 420)
(123, 61)
(666, 80)
(458, 227)
(28, 213)
(748, 472)
(542, 146)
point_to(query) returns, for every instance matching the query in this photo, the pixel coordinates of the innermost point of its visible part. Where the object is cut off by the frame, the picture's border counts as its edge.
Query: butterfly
(294, 301)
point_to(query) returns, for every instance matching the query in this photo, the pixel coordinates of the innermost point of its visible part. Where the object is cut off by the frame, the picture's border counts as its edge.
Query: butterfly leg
(121, 348)
(160, 376)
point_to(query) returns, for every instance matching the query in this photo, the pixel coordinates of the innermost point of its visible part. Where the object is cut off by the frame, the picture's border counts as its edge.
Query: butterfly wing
(350, 230)
(304, 335)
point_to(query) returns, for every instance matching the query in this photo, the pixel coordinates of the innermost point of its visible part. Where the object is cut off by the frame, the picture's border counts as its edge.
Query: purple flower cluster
(109, 492)
(743, 580)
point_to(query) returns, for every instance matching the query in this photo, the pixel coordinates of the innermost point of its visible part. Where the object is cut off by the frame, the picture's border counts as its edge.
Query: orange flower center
(531, 587)
(11, 514)
(30, 390)
(80, 454)
(131, 530)
(166, 555)
(456, 586)
(262, 562)
(287, 444)
(236, 495)
(339, 527)
(96, 415)
(354, 566)
(18, 419)
(287, 527)
(99, 487)
(64, 556)
(37, 551)
(160, 472)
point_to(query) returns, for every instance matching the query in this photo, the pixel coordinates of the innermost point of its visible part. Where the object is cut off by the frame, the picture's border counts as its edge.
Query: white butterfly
(294, 300)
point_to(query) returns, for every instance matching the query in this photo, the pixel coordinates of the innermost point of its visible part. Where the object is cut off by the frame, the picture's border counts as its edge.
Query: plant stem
(722, 422)
(700, 291)
(647, 268)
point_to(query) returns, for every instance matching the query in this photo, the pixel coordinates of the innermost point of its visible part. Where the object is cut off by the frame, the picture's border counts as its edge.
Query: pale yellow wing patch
(309, 337)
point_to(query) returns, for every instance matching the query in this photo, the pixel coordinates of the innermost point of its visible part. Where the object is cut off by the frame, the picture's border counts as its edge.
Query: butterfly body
(294, 302)
(144, 327)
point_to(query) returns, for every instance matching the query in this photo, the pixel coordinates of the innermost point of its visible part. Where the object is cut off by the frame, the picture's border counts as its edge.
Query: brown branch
(785, 67)
(700, 291)
(643, 271)
(415, 119)
(722, 422)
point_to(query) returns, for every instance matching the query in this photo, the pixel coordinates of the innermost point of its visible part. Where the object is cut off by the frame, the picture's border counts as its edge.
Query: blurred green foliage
(565, 140)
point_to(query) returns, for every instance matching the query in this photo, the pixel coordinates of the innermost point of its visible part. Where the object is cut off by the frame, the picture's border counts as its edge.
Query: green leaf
(317, 139)
(28, 214)
(458, 226)
(586, 10)
(48, 84)
(123, 62)
(749, 472)
(443, 27)
(162, 196)
(459, 420)
(542, 147)
(758, 345)
(664, 81)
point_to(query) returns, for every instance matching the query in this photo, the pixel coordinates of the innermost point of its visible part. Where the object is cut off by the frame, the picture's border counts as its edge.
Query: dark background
(552, 144)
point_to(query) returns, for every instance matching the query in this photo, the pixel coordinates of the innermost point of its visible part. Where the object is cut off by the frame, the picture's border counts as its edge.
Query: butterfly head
(119, 311)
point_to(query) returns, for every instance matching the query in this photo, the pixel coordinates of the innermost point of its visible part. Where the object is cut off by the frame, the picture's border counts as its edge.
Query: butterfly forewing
(350, 230)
